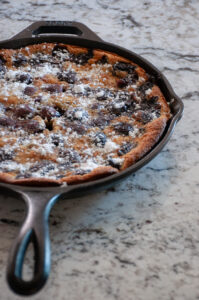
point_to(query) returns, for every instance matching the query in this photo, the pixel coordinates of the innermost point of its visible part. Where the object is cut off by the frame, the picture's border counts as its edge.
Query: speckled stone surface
(139, 240)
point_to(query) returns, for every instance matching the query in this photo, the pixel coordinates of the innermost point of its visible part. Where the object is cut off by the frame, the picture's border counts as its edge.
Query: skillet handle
(34, 230)
(58, 27)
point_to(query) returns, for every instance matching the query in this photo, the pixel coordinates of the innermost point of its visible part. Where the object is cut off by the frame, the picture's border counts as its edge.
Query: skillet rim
(176, 106)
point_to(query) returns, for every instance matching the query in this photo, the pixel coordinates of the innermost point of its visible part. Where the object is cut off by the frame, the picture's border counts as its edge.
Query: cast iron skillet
(39, 200)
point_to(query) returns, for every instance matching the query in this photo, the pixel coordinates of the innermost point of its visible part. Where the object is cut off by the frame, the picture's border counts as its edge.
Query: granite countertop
(140, 239)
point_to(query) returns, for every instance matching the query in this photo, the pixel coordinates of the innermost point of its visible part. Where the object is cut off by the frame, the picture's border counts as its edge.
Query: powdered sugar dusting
(57, 114)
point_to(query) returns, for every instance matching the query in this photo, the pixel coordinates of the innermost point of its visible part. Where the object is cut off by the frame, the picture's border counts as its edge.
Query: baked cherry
(103, 60)
(132, 78)
(34, 126)
(57, 140)
(38, 99)
(44, 165)
(121, 83)
(6, 121)
(20, 60)
(31, 126)
(114, 162)
(100, 139)
(41, 58)
(100, 122)
(143, 116)
(82, 58)
(123, 66)
(54, 88)
(23, 175)
(30, 90)
(69, 76)
(145, 86)
(5, 155)
(151, 104)
(58, 50)
(2, 69)
(153, 99)
(123, 128)
(78, 127)
(25, 77)
(2, 62)
(125, 148)
(49, 112)
(71, 155)
(23, 110)
(77, 114)
(37, 59)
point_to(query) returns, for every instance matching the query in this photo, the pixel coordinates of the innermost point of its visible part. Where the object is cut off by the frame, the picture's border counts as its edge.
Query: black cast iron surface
(39, 200)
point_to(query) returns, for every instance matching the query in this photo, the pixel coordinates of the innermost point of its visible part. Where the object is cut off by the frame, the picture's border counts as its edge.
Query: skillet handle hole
(50, 30)
(29, 263)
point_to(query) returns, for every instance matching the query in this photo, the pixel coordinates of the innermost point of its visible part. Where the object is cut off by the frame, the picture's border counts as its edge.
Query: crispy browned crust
(7, 178)
(73, 179)
(153, 130)
(95, 174)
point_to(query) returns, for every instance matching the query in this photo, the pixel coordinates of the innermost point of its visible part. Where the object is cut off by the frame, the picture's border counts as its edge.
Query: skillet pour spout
(39, 200)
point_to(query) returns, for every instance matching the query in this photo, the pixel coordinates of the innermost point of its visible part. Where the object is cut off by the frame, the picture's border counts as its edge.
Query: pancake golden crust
(70, 114)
